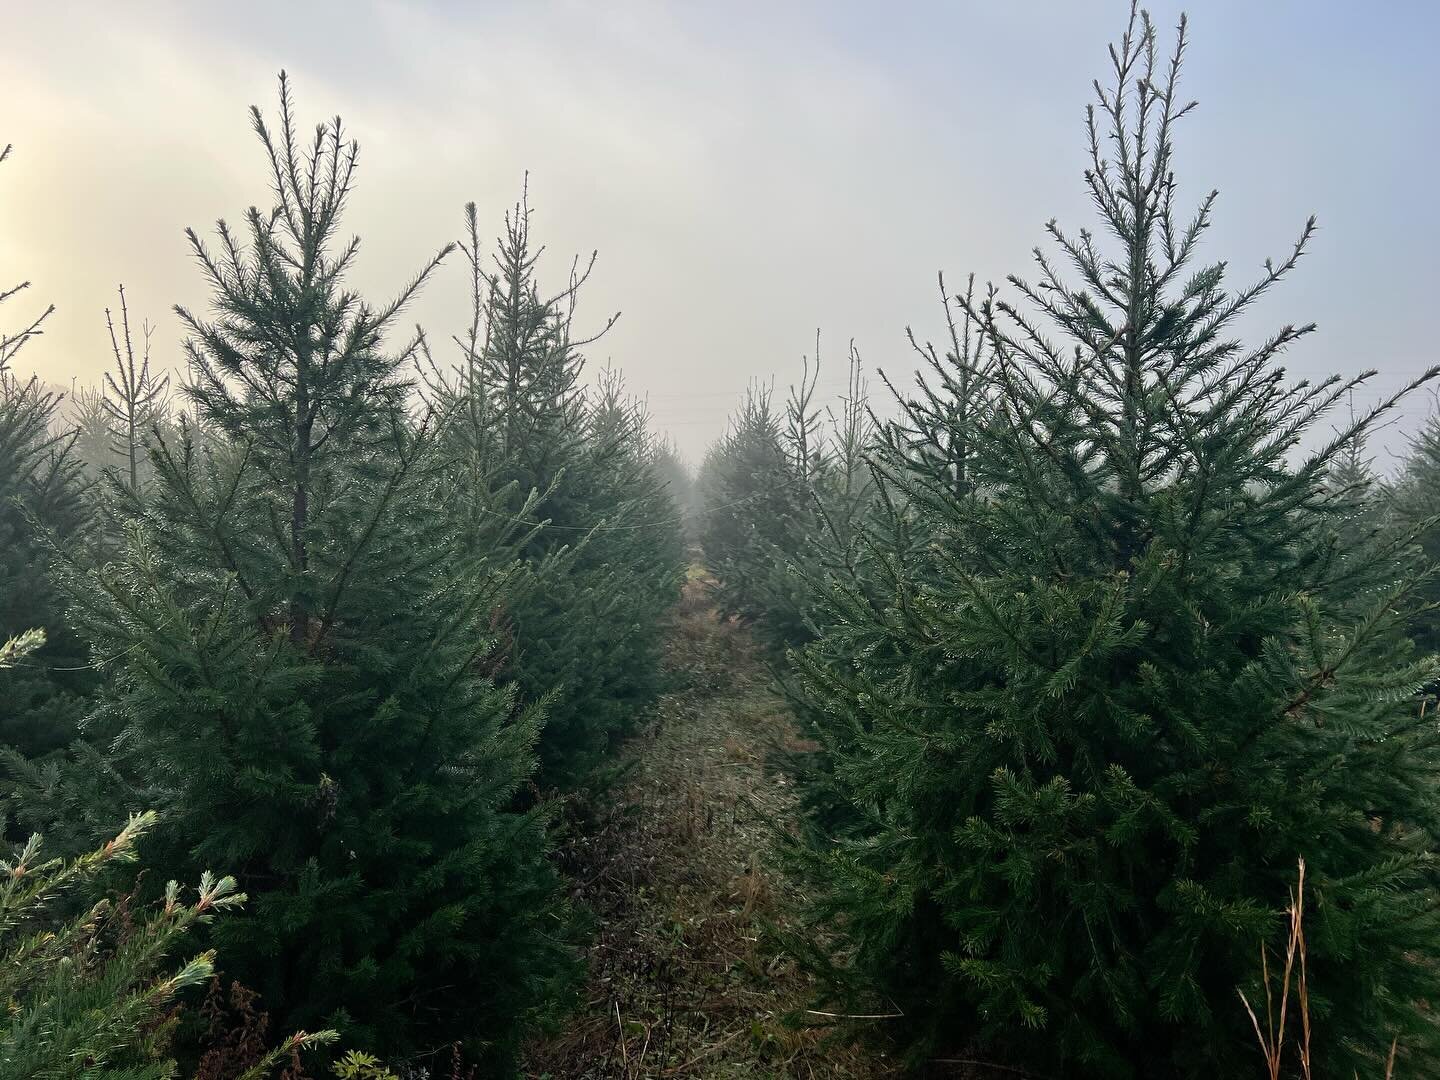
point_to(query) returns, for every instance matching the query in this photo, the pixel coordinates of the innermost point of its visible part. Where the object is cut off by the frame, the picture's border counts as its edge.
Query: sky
(748, 172)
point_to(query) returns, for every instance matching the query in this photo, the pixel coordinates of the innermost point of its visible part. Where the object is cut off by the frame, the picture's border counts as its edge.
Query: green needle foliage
(297, 641)
(42, 696)
(1414, 510)
(42, 693)
(88, 995)
(131, 404)
(531, 444)
(756, 517)
(783, 497)
(1106, 671)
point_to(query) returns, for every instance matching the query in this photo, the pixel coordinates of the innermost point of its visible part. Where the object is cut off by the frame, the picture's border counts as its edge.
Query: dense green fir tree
(1109, 674)
(757, 516)
(1413, 508)
(843, 497)
(785, 505)
(1352, 484)
(41, 505)
(678, 481)
(534, 445)
(637, 549)
(782, 498)
(298, 646)
(42, 697)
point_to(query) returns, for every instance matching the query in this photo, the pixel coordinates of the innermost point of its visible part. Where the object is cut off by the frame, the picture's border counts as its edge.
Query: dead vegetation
(1272, 1035)
(678, 869)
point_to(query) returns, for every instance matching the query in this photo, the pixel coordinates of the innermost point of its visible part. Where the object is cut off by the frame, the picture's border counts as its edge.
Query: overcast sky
(748, 171)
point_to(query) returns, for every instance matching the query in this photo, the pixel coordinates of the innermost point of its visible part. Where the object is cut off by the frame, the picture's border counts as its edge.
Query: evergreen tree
(1110, 671)
(783, 499)
(115, 422)
(298, 641)
(539, 450)
(42, 696)
(52, 780)
(94, 440)
(1351, 483)
(754, 494)
(1413, 508)
(679, 483)
(635, 556)
(42, 693)
(842, 497)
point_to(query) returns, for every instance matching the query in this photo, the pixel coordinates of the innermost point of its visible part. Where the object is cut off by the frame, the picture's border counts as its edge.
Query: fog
(747, 174)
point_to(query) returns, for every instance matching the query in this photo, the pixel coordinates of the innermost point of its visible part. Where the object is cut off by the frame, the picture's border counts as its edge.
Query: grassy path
(678, 868)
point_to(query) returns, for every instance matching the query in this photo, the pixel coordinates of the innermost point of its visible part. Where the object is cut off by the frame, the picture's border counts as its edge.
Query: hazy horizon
(746, 177)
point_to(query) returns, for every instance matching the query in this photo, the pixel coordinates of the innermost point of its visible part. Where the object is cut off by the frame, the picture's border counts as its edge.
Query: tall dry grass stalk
(1272, 1036)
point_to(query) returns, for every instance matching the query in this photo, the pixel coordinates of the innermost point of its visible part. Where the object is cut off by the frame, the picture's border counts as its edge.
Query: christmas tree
(298, 645)
(783, 498)
(1109, 670)
(755, 492)
(568, 475)
(42, 694)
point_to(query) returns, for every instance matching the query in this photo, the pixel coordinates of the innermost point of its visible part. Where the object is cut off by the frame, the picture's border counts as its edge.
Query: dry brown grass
(1271, 1035)
(679, 870)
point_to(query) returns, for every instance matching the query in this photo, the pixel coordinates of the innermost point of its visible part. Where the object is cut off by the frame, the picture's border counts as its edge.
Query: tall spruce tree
(638, 546)
(52, 780)
(42, 693)
(131, 404)
(754, 488)
(679, 481)
(783, 498)
(42, 696)
(297, 642)
(538, 446)
(1112, 671)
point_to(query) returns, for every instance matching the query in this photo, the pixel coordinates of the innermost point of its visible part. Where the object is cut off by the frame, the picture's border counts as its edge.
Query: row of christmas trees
(1099, 633)
(316, 615)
